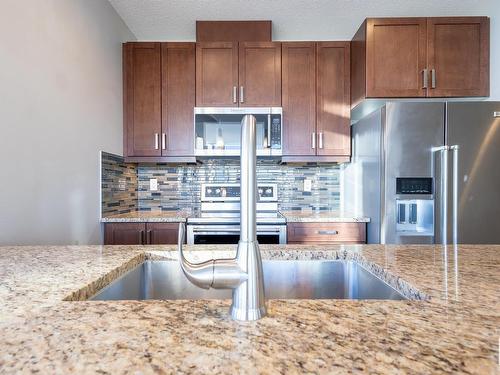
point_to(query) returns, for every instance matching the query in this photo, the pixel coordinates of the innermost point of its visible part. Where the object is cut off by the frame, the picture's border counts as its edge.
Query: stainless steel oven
(230, 234)
(218, 221)
(218, 129)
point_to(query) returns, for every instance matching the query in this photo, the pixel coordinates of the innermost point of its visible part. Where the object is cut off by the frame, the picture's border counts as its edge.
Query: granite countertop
(148, 217)
(456, 330)
(309, 216)
(181, 216)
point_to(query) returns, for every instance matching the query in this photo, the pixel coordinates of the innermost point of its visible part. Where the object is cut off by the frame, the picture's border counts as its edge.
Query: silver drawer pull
(331, 232)
(157, 141)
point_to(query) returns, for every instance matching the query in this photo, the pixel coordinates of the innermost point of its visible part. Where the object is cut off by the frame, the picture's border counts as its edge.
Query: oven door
(230, 234)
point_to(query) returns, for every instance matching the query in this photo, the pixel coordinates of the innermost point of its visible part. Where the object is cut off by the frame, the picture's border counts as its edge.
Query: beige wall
(60, 103)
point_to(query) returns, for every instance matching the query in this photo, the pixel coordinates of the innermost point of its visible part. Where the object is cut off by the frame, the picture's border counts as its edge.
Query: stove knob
(217, 191)
(209, 191)
(223, 192)
(269, 191)
(260, 191)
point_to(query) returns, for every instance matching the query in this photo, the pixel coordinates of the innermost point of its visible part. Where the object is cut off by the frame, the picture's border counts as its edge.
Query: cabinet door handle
(329, 232)
(433, 78)
(157, 142)
(163, 141)
(141, 237)
(242, 98)
(235, 94)
(313, 140)
(320, 140)
(425, 78)
(150, 237)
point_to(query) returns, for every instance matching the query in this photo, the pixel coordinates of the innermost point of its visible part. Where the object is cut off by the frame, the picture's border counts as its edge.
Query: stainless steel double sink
(283, 279)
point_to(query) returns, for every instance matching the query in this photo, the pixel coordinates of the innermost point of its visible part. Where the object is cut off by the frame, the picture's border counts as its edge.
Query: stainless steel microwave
(218, 130)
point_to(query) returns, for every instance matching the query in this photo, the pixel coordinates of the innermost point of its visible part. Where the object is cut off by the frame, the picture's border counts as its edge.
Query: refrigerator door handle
(455, 149)
(443, 191)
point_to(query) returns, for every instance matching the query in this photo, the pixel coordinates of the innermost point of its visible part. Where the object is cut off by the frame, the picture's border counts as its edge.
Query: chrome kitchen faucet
(243, 274)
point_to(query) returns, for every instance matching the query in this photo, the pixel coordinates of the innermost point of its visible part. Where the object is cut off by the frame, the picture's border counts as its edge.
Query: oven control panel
(231, 192)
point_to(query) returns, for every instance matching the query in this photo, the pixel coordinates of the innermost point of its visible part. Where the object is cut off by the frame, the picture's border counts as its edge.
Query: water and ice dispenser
(414, 206)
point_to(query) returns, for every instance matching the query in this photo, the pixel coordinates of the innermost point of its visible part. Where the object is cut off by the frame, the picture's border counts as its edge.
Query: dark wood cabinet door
(217, 74)
(333, 99)
(178, 98)
(299, 97)
(395, 57)
(162, 233)
(142, 99)
(124, 233)
(458, 52)
(259, 74)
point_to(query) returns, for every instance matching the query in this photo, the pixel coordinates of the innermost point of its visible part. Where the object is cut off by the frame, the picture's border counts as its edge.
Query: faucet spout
(242, 274)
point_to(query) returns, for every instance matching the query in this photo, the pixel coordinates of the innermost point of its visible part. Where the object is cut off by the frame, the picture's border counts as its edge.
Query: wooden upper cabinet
(216, 74)
(458, 52)
(142, 99)
(333, 99)
(233, 31)
(259, 74)
(178, 98)
(299, 97)
(316, 101)
(420, 57)
(395, 57)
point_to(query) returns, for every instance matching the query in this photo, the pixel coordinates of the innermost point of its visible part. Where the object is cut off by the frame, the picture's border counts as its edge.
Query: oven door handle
(205, 230)
(214, 233)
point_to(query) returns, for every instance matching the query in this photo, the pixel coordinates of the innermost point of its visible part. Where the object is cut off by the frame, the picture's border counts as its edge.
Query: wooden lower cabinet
(162, 233)
(322, 233)
(124, 233)
(140, 233)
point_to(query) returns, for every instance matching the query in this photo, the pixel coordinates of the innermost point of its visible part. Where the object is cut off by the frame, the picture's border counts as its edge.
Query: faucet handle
(200, 274)
(214, 273)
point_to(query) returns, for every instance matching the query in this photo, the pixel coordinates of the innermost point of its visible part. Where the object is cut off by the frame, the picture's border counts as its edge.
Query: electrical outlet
(307, 185)
(153, 184)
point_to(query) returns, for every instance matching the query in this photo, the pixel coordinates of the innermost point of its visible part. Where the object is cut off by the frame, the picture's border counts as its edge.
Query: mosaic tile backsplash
(179, 186)
(118, 185)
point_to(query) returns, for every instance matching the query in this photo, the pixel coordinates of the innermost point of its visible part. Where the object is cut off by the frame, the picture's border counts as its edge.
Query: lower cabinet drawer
(326, 233)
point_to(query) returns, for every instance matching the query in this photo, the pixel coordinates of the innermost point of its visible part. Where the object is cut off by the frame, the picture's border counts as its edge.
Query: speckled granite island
(46, 326)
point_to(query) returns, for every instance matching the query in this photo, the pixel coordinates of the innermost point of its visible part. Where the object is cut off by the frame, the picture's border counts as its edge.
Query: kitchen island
(450, 326)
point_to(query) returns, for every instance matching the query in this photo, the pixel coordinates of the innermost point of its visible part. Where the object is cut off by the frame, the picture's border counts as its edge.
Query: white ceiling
(292, 19)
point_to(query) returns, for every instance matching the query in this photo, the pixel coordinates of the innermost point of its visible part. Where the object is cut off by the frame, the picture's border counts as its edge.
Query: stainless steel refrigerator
(427, 172)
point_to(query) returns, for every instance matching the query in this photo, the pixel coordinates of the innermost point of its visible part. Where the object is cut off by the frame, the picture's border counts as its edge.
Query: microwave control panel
(275, 131)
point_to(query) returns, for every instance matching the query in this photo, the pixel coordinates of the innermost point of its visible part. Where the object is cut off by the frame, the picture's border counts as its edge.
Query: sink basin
(283, 279)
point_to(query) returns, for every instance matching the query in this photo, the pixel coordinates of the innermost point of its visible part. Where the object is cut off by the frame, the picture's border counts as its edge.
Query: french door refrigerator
(427, 172)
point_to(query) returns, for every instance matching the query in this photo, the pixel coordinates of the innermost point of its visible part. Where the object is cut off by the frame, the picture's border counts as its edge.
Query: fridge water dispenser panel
(413, 185)
(415, 217)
